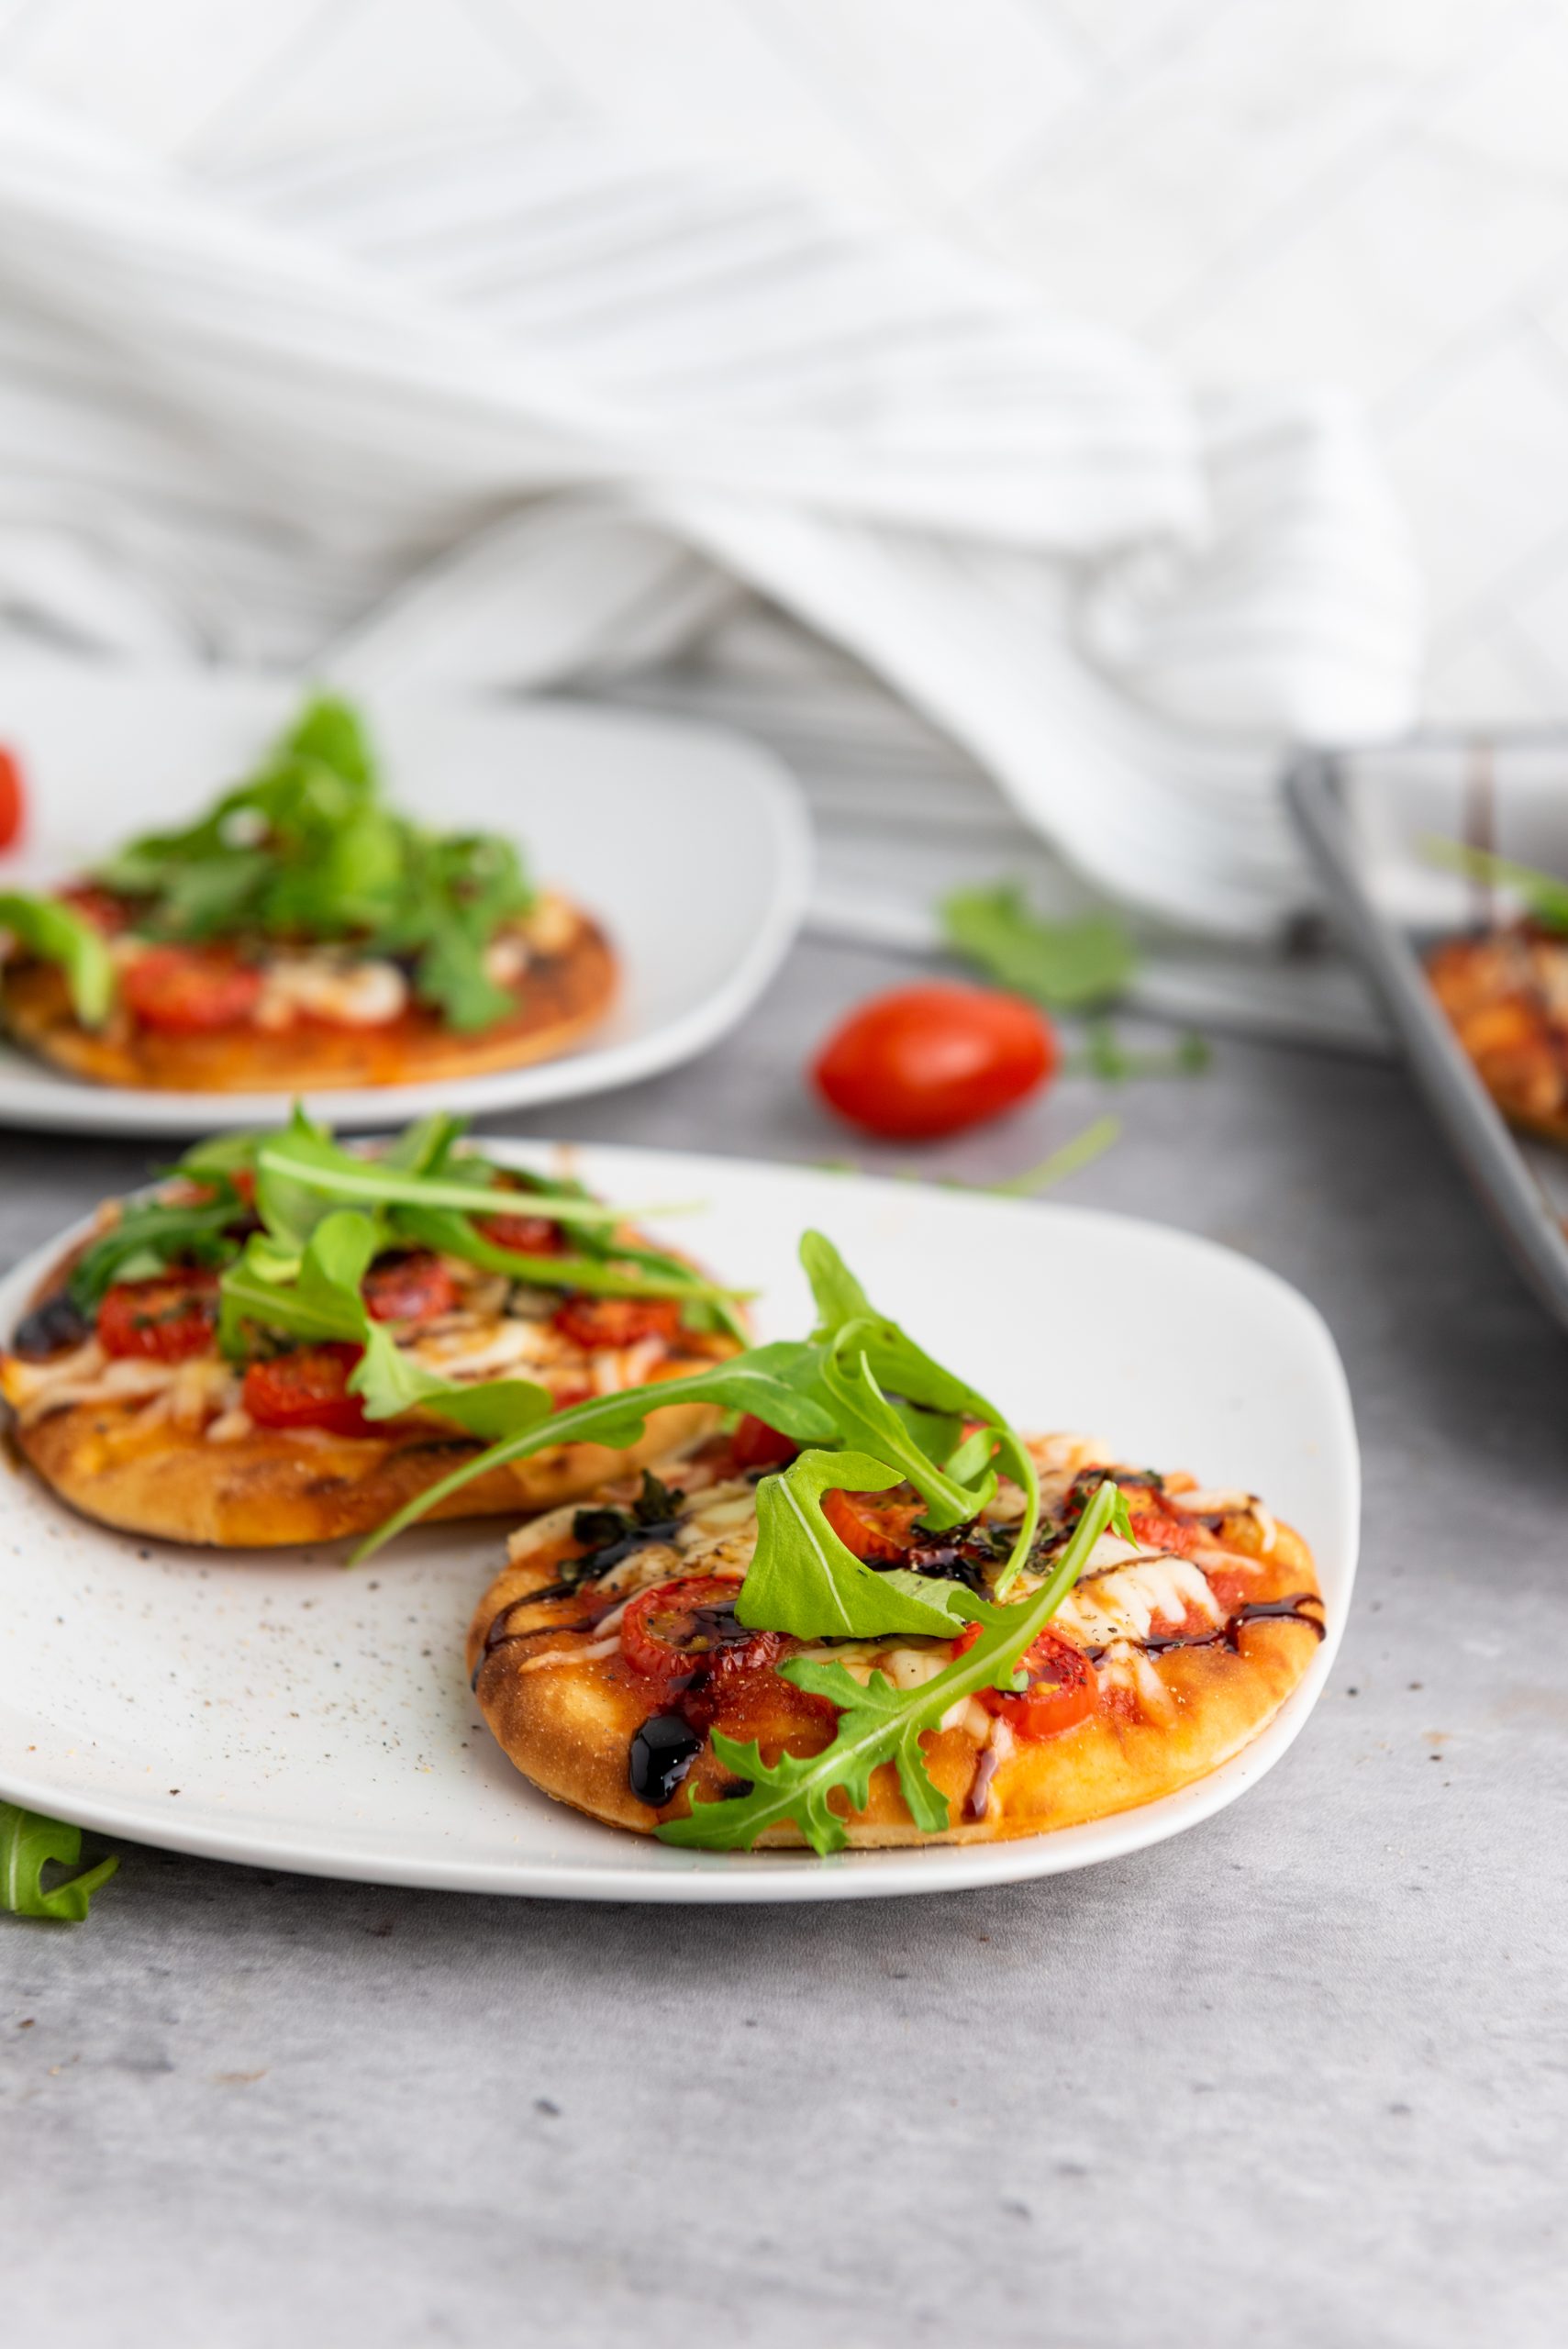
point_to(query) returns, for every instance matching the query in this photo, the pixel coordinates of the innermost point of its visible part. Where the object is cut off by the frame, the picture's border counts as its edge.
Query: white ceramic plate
(691, 846)
(278, 1709)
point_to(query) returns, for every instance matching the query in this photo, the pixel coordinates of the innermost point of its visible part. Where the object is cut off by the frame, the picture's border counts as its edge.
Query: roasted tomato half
(307, 1388)
(167, 1319)
(1063, 1688)
(755, 1445)
(876, 1526)
(608, 1323)
(525, 1235)
(678, 1631)
(185, 990)
(415, 1286)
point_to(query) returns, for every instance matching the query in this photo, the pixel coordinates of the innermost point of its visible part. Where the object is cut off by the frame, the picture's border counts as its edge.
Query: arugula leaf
(866, 1417)
(29, 1842)
(456, 1235)
(389, 1380)
(1063, 963)
(1543, 893)
(152, 1233)
(803, 1579)
(879, 1723)
(314, 1297)
(51, 929)
(307, 1158)
(759, 1381)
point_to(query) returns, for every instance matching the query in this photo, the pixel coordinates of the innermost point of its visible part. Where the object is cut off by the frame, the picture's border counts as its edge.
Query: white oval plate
(278, 1709)
(692, 847)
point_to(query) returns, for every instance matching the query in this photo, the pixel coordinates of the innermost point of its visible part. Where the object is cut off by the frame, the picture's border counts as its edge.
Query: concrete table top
(1297, 2077)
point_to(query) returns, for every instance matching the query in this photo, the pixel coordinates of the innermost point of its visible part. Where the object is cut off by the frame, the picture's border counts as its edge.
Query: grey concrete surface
(1297, 2077)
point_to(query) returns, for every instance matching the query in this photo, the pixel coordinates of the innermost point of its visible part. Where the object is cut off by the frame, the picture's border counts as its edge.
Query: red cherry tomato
(415, 1287)
(677, 1630)
(876, 1526)
(1154, 1530)
(755, 1445)
(307, 1388)
(13, 800)
(930, 1060)
(100, 906)
(1063, 1689)
(607, 1322)
(182, 990)
(167, 1319)
(525, 1235)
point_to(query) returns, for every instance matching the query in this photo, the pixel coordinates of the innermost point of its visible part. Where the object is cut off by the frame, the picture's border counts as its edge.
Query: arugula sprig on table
(28, 1843)
(306, 849)
(1068, 965)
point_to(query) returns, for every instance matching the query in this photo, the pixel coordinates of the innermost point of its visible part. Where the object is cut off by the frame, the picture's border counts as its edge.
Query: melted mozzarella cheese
(367, 993)
(1123, 1602)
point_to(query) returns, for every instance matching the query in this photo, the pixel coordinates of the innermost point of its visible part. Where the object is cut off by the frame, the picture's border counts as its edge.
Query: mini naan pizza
(301, 935)
(879, 1616)
(288, 1343)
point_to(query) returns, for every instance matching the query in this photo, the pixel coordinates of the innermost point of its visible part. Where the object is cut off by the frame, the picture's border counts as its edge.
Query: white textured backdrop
(1371, 191)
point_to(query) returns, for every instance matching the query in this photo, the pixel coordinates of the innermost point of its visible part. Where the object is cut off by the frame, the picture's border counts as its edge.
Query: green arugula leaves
(306, 849)
(327, 1213)
(873, 1409)
(54, 931)
(879, 1723)
(29, 1844)
(150, 1235)
(803, 1580)
(1064, 965)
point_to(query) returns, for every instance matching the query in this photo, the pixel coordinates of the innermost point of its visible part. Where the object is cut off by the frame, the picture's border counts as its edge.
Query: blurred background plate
(271, 1707)
(690, 845)
(1368, 818)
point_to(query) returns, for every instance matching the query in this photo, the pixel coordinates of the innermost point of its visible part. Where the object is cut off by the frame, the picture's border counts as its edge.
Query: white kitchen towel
(533, 408)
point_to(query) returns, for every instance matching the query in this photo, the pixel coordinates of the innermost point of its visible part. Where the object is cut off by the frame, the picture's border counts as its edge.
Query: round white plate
(691, 846)
(277, 1708)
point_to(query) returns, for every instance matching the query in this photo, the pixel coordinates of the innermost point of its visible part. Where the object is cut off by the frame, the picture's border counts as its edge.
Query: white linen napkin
(536, 409)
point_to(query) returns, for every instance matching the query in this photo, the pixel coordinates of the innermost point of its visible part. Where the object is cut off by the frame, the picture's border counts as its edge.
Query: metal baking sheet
(1368, 818)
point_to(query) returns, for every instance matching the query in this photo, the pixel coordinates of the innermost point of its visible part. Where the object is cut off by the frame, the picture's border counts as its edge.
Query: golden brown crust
(274, 1487)
(568, 1727)
(564, 995)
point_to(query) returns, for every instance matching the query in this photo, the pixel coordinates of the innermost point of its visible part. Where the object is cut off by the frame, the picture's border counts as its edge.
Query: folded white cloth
(533, 409)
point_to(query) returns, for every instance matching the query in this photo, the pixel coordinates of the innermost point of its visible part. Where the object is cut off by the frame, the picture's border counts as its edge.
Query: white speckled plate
(690, 845)
(279, 1709)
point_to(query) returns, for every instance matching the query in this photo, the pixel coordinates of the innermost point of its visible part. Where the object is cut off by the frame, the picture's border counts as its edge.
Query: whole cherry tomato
(13, 800)
(930, 1060)
(1063, 1689)
(307, 1388)
(182, 990)
(876, 1527)
(412, 1286)
(166, 1319)
(596, 1322)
